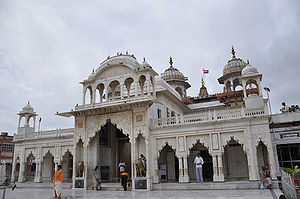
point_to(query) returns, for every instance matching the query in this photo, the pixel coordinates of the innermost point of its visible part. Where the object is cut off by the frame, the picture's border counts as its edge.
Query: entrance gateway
(128, 109)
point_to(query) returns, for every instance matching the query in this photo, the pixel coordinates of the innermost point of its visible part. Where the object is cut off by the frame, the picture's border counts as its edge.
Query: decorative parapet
(45, 134)
(207, 116)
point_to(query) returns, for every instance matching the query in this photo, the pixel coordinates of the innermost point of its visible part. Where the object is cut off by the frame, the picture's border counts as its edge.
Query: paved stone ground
(46, 193)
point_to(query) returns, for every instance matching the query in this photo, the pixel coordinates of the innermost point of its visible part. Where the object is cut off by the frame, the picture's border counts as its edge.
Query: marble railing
(45, 134)
(207, 116)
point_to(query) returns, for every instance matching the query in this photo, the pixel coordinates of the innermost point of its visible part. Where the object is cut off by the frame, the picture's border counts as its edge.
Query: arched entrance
(67, 166)
(262, 155)
(235, 162)
(48, 167)
(168, 166)
(17, 170)
(106, 149)
(207, 167)
(30, 168)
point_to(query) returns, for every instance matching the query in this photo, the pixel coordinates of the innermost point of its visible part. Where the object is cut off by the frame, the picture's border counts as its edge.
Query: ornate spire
(202, 81)
(171, 62)
(232, 52)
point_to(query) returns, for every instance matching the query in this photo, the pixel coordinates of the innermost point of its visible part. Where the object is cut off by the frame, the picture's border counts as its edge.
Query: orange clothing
(126, 174)
(59, 176)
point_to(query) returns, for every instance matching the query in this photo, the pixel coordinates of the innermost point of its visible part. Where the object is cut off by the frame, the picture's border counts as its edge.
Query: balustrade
(208, 116)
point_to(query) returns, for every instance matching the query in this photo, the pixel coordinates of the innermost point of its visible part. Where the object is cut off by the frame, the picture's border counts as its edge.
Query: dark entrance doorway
(207, 167)
(168, 165)
(111, 146)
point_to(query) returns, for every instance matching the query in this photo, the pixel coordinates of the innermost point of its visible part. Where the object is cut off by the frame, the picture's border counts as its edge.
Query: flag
(186, 78)
(205, 71)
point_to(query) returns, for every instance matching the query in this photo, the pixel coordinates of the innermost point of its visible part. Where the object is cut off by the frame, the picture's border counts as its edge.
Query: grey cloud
(47, 47)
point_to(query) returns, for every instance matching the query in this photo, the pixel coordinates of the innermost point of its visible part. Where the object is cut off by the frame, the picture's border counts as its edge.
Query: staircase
(237, 185)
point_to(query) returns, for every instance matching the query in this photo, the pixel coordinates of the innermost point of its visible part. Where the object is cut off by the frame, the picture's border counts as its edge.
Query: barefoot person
(58, 180)
(97, 177)
(124, 179)
(198, 162)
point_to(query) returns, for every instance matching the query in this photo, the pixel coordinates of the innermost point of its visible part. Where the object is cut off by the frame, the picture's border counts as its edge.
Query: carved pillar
(85, 165)
(215, 168)
(156, 178)
(83, 96)
(94, 96)
(21, 171)
(186, 177)
(181, 177)
(147, 157)
(106, 93)
(148, 84)
(220, 168)
(122, 90)
(37, 177)
(136, 88)
(13, 170)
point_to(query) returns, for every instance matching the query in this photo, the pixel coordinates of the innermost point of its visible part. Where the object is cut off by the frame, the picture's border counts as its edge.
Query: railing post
(243, 112)
(215, 115)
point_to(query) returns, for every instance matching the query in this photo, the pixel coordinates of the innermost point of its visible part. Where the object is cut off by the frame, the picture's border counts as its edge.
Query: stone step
(240, 185)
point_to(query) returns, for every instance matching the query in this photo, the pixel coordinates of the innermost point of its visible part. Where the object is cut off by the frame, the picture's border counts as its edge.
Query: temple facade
(128, 109)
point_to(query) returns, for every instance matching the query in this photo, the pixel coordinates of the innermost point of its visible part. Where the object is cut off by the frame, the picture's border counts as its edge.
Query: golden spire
(171, 62)
(232, 52)
(202, 81)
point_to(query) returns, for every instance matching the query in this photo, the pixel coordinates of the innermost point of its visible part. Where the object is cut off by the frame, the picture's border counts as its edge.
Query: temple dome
(145, 64)
(28, 108)
(249, 70)
(234, 65)
(172, 73)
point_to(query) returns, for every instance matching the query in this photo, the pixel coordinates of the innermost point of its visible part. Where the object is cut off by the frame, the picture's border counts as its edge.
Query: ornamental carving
(237, 136)
(203, 139)
(161, 142)
(122, 121)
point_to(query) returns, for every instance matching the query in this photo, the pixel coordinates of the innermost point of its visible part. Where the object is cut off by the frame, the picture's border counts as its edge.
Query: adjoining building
(128, 109)
(6, 152)
(285, 134)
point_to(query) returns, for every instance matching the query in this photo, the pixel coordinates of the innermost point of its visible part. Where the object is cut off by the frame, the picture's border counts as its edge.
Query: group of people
(124, 176)
(292, 108)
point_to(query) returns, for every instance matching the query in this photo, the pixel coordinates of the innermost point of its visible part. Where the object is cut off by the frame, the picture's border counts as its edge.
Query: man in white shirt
(122, 166)
(198, 162)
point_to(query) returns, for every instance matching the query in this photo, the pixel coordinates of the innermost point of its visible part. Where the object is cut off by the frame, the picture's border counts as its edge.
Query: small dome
(172, 73)
(92, 74)
(249, 70)
(28, 108)
(234, 65)
(145, 64)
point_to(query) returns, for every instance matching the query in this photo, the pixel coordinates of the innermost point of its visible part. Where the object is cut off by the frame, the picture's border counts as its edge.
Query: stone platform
(234, 185)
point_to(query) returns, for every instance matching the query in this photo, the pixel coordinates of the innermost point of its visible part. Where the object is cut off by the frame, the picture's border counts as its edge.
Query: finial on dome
(202, 81)
(126, 52)
(248, 61)
(144, 59)
(171, 61)
(28, 102)
(232, 52)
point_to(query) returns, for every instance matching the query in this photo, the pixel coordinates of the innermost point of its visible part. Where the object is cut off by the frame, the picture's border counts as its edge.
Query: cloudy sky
(47, 47)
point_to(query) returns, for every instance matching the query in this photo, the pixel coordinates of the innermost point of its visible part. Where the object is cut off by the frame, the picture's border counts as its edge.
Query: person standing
(144, 160)
(124, 179)
(97, 177)
(122, 166)
(58, 180)
(198, 162)
(265, 177)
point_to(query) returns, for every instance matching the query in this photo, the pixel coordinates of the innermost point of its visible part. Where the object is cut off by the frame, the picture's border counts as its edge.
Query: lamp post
(268, 90)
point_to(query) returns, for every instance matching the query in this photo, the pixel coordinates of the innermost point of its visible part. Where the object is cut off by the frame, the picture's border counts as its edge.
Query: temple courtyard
(42, 192)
